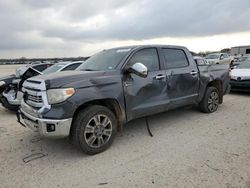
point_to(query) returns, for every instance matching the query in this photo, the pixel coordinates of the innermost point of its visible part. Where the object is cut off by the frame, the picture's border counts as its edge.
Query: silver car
(219, 58)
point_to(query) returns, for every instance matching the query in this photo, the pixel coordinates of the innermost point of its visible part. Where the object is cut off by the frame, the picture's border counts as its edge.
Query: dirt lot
(189, 149)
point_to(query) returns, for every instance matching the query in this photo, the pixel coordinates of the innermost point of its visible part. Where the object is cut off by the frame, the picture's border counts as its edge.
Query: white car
(240, 77)
(62, 66)
(13, 96)
(219, 58)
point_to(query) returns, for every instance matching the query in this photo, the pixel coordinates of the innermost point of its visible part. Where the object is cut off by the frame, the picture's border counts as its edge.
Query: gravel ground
(188, 149)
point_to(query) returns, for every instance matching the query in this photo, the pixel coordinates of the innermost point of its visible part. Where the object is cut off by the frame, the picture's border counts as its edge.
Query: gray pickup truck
(116, 86)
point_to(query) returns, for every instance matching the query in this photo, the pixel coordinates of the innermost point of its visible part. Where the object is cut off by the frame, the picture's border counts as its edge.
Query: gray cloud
(86, 21)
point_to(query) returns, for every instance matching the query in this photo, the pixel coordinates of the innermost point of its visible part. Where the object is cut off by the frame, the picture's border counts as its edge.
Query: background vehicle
(9, 84)
(200, 60)
(116, 86)
(219, 58)
(240, 76)
(12, 95)
(239, 60)
(63, 66)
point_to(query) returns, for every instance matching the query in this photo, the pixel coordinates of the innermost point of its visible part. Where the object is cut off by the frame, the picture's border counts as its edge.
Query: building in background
(240, 50)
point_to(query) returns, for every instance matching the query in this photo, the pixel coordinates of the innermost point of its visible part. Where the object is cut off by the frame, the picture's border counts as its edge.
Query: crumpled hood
(69, 78)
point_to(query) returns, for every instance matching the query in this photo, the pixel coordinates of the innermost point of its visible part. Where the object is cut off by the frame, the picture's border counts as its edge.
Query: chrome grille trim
(36, 95)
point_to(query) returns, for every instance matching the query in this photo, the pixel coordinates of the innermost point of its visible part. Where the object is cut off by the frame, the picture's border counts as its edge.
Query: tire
(210, 101)
(94, 129)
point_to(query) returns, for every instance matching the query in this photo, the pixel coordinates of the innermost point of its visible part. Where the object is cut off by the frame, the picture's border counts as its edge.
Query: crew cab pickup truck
(116, 86)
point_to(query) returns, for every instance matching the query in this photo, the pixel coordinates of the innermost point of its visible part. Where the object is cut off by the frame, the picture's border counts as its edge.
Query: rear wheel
(94, 129)
(210, 101)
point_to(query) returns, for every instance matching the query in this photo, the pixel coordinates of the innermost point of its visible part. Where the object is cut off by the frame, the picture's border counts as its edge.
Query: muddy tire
(94, 129)
(210, 101)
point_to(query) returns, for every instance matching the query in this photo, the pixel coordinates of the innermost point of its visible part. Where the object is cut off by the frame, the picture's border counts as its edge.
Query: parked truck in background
(116, 86)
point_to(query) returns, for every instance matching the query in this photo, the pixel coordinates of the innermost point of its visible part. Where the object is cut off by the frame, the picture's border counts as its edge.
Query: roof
(149, 45)
(241, 47)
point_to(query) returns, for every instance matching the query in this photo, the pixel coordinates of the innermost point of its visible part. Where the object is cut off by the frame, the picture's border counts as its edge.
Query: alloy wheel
(213, 101)
(98, 131)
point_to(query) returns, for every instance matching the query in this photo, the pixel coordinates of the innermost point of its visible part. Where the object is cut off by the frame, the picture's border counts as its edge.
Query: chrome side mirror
(139, 69)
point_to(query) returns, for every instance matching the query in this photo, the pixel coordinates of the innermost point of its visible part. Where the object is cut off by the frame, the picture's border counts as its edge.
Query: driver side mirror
(221, 57)
(139, 69)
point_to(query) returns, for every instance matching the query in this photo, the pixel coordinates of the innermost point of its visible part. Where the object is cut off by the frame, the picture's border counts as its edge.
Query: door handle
(160, 77)
(193, 73)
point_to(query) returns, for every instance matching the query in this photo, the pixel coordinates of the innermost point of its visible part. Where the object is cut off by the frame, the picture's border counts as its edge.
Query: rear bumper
(46, 127)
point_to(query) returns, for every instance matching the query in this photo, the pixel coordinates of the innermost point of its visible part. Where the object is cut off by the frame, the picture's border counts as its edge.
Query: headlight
(59, 95)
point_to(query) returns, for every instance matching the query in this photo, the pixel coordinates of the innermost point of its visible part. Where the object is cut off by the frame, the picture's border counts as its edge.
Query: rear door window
(175, 58)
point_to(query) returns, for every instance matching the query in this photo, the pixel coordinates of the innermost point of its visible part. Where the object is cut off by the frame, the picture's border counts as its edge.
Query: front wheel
(94, 129)
(210, 101)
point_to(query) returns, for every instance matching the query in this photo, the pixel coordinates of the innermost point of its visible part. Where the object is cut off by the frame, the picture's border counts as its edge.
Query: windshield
(104, 60)
(244, 65)
(213, 56)
(55, 67)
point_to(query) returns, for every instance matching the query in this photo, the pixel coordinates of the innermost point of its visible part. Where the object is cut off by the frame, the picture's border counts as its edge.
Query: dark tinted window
(41, 67)
(71, 67)
(148, 57)
(175, 58)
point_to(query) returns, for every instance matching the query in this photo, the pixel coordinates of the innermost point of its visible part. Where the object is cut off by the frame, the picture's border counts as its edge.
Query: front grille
(34, 91)
(33, 98)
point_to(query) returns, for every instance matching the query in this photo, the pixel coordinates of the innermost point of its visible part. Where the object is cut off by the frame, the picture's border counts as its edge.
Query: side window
(175, 58)
(71, 67)
(148, 57)
(225, 55)
(40, 68)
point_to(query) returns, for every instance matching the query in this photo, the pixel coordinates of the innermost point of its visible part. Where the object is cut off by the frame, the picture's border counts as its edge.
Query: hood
(69, 78)
(242, 73)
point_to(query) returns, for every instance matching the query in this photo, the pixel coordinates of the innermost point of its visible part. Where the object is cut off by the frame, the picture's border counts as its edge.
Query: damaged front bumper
(46, 127)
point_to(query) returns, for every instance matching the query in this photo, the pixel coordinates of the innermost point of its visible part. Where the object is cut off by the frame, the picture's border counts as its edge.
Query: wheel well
(217, 84)
(111, 104)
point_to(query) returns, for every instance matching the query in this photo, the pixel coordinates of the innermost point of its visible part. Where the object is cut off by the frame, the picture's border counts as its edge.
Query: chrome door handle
(160, 77)
(193, 73)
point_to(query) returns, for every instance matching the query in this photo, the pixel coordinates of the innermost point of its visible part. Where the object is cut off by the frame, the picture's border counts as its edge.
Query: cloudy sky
(64, 28)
